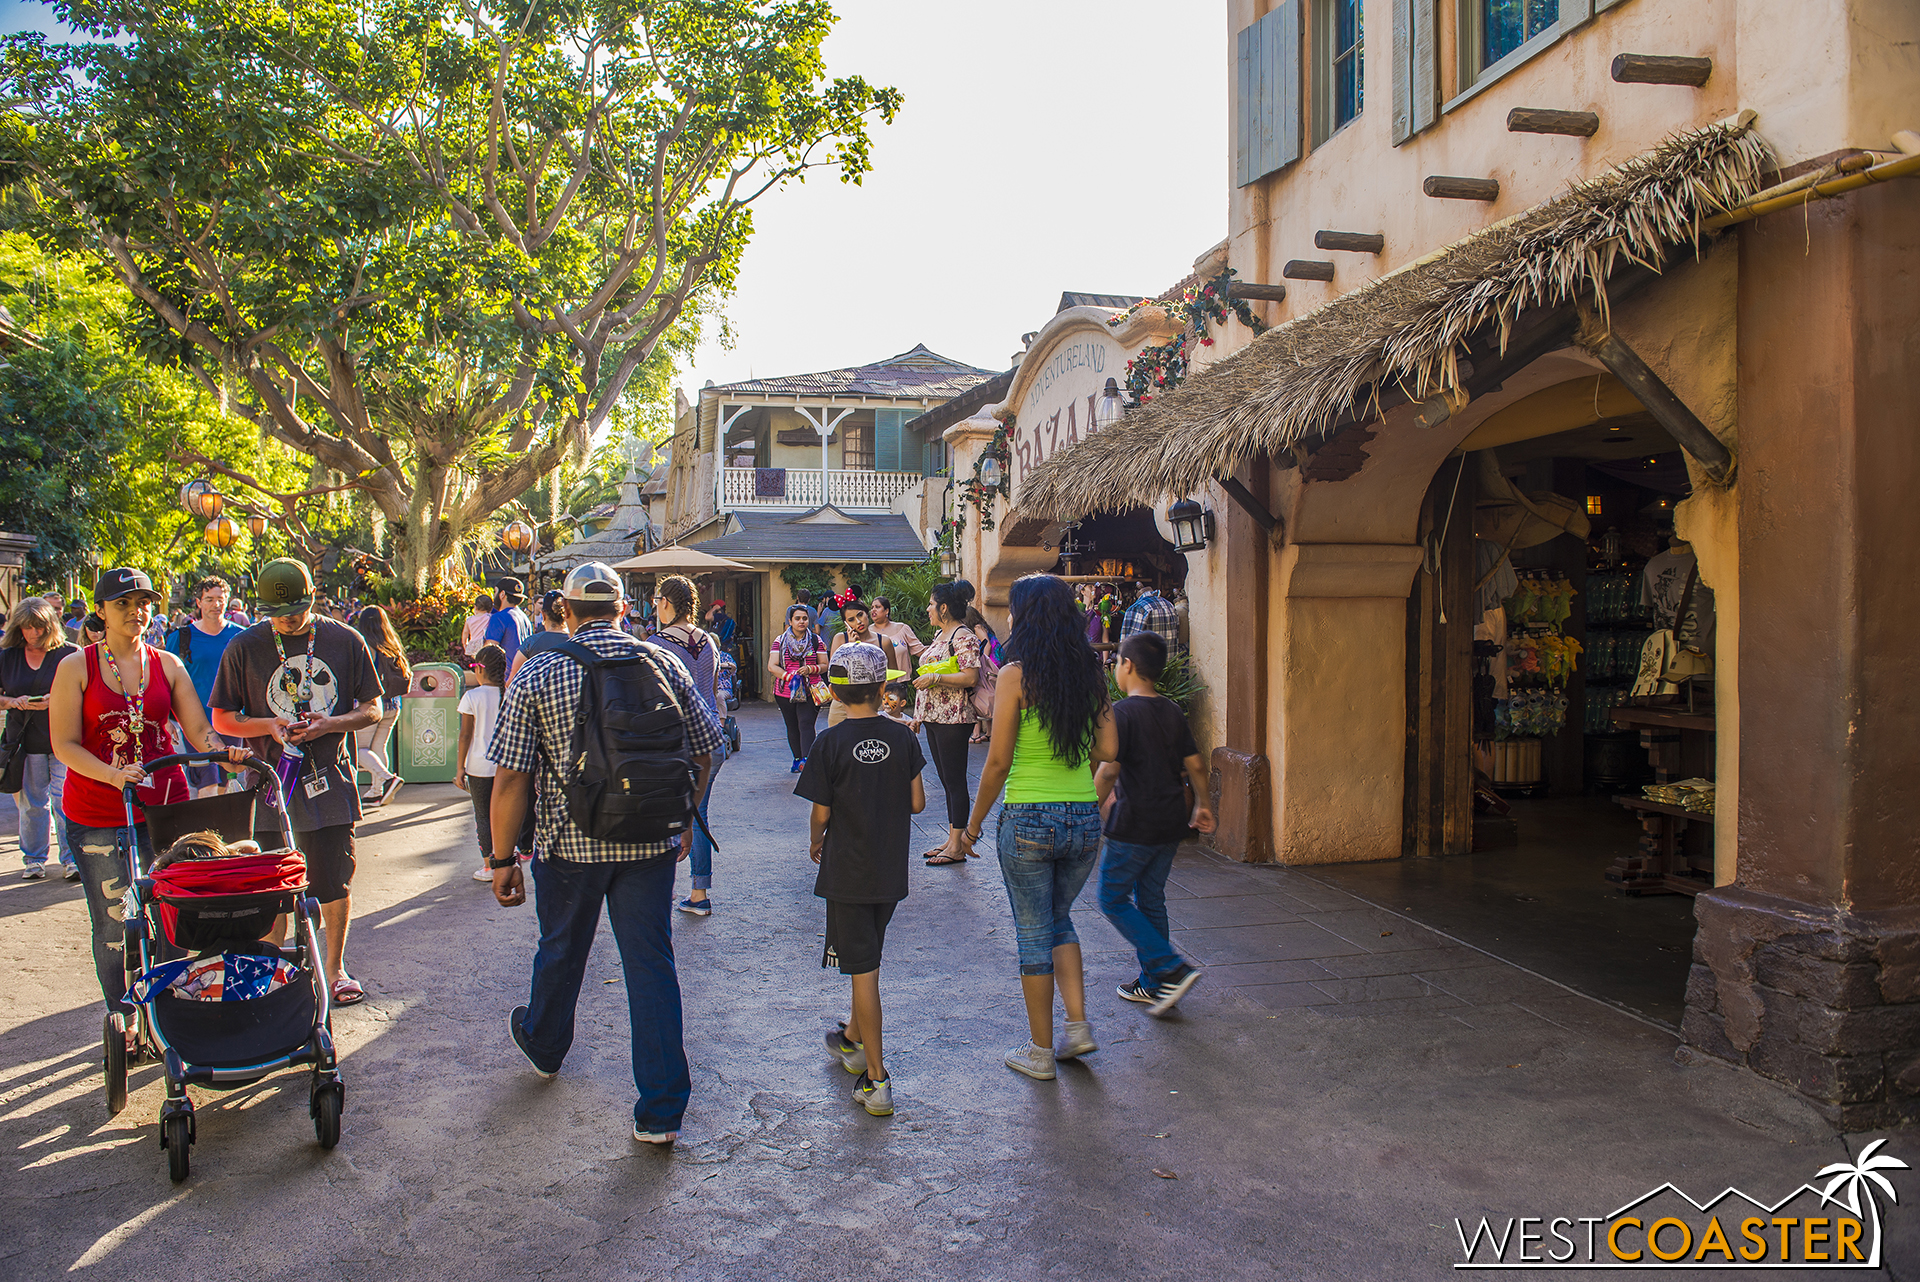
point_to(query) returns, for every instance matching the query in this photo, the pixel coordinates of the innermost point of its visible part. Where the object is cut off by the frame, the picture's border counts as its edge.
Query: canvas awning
(1403, 334)
(669, 559)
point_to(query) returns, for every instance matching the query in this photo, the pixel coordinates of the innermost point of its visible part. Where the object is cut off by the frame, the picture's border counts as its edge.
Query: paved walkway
(1340, 1087)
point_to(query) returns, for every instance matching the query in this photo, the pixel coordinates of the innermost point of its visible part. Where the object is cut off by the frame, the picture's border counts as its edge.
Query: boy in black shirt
(863, 778)
(1143, 801)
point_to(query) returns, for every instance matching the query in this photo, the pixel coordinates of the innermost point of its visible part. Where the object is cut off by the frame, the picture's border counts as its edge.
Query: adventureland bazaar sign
(1057, 409)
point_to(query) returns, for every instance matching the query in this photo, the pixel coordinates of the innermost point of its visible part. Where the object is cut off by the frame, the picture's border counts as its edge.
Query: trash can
(428, 732)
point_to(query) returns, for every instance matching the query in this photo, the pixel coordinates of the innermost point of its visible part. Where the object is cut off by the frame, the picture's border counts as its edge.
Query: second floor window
(1502, 26)
(858, 454)
(1348, 59)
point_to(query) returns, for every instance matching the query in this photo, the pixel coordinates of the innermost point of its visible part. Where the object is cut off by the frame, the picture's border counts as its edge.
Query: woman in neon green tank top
(1052, 725)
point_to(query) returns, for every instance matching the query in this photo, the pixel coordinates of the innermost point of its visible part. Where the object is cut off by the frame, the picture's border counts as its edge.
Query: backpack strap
(578, 653)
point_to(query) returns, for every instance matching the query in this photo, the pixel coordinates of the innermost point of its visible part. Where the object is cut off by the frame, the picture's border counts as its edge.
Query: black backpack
(629, 774)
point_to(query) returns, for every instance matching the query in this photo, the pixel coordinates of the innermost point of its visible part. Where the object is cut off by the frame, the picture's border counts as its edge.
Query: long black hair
(952, 597)
(1060, 675)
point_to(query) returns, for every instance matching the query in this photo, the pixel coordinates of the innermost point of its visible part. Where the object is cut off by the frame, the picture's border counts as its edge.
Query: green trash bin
(427, 736)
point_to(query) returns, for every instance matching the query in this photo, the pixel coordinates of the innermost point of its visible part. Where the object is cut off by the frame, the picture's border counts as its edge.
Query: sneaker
(1167, 993)
(515, 1021)
(852, 1055)
(483, 873)
(1035, 1061)
(34, 872)
(70, 872)
(1136, 992)
(698, 907)
(875, 1097)
(1079, 1040)
(369, 800)
(391, 786)
(659, 1139)
(797, 763)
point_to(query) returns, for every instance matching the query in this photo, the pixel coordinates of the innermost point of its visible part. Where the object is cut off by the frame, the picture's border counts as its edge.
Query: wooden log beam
(1659, 69)
(1307, 269)
(1257, 293)
(1252, 506)
(1668, 410)
(1545, 120)
(1447, 187)
(1358, 242)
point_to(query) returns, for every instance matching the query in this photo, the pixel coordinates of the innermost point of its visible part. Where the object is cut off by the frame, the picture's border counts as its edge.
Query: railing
(849, 490)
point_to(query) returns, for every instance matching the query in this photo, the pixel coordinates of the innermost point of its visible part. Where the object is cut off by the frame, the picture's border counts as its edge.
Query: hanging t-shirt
(1662, 585)
(331, 671)
(863, 769)
(202, 653)
(1150, 804)
(482, 703)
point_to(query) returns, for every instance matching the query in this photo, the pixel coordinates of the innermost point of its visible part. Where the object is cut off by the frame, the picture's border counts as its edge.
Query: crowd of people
(590, 755)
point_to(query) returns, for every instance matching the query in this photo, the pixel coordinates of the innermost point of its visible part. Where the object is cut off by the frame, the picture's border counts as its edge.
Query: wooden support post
(1658, 69)
(1358, 242)
(1252, 506)
(1307, 269)
(1667, 409)
(1257, 293)
(1446, 187)
(1544, 120)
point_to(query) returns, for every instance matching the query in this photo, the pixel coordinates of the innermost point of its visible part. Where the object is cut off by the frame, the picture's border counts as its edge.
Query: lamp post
(1111, 407)
(1192, 525)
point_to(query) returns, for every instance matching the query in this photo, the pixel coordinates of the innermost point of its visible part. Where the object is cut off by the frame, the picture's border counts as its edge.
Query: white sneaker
(1035, 1061)
(1079, 1040)
(34, 872)
(483, 873)
(659, 1139)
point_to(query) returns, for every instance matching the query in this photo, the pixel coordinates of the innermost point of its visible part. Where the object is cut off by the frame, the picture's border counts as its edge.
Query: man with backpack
(623, 748)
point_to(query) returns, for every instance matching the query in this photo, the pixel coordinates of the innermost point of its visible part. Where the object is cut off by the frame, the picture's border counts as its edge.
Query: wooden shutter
(886, 440)
(1416, 78)
(1267, 132)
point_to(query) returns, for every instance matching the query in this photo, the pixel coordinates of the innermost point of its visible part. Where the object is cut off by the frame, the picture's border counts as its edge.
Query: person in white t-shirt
(479, 709)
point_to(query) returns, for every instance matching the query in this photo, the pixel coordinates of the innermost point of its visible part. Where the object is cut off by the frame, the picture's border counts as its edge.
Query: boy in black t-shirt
(863, 778)
(1143, 803)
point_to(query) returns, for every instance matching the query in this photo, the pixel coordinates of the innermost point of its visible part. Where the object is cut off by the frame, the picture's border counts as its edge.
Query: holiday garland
(976, 491)
(1164, 367)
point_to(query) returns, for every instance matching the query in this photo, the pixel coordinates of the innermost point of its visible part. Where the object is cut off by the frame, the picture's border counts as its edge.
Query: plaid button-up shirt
(538, 712)
(1152, 612)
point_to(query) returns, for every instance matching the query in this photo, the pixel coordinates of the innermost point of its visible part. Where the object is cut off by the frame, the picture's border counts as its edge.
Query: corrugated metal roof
(784, 537)
(941, 417)
(917, 373)
(1119, 302)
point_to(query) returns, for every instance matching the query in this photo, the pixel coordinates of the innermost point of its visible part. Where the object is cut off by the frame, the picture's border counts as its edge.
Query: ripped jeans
(103, 871)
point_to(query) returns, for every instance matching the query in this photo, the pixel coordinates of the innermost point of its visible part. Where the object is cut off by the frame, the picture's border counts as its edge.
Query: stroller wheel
(176, 1136)
(113, 1037)
(327, 1101)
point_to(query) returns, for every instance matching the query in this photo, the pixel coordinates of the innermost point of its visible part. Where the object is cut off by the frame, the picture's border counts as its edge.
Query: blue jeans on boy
(638, 895)
(103, 871)
(1047, 850)
(1133, 896)
(43, 828)
(700, 861)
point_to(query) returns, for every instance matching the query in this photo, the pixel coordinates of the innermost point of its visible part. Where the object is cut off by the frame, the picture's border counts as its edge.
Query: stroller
(727, 679)
(217, 1005)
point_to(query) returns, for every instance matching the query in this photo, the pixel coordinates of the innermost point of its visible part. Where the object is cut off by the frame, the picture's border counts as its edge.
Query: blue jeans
(700, 861)
(1133, 896)
(639, 899)
(1047, 849)
(42, 825)
(103, 871)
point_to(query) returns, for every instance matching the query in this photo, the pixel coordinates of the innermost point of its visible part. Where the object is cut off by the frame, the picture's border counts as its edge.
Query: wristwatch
(498, 864)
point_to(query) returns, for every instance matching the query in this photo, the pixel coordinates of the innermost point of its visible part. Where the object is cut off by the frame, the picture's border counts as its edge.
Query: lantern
(1111, 408)
(257, 525)
(950, 563)
(201, 500)
(1192, 525)
(991, 473)
(222, 532)
(518, 536)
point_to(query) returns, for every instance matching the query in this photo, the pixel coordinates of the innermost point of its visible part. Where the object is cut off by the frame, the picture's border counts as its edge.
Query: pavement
(1342, 1085)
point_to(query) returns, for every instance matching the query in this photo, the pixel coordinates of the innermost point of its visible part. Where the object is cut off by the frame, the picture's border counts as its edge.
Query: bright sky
(1045, 145)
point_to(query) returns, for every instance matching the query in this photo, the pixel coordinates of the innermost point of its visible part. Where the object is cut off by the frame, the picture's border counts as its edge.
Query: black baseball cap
(114, 584)
(514, 588)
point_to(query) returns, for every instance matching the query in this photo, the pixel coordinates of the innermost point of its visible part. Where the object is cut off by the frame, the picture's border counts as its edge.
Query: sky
(1045, 145)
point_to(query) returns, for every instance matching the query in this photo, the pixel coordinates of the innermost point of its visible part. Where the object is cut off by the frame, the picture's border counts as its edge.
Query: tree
(428, 245)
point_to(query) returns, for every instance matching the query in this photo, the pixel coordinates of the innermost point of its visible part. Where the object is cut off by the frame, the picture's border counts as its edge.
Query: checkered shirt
(535, 730)
(1152, 612)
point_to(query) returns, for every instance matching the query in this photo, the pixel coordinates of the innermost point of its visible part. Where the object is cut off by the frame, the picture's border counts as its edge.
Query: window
(1267, 95)
(1339, 65)
(857, 453)
(1498, 35)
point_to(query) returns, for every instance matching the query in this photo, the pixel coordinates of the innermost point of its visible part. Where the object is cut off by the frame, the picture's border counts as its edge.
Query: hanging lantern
(991, 473)
(1192, 525)
(222, 532)
(949, 563)
(1111, 407)
(518, 536)
(256, 525)
(201, 500)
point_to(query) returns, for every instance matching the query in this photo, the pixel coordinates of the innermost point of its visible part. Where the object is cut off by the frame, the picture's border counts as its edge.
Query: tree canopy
(427, 245)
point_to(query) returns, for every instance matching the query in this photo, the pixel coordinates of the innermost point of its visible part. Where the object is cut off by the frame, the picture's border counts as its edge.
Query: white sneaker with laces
(483, 873)
(1079, 1040)
(659, 1139)
(1034, 1061)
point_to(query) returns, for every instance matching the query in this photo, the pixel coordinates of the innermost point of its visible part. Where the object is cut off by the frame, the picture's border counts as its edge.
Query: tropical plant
(1179, 682)
(907, 589)
(428, 246)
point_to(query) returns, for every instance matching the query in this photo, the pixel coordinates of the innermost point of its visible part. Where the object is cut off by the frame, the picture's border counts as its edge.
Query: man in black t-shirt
(863, 778)
(1146, 814)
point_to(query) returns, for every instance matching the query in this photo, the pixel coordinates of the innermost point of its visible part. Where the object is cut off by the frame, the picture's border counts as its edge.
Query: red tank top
(107, 727)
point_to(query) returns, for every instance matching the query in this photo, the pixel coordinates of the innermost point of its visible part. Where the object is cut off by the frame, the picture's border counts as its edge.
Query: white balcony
(850, 491)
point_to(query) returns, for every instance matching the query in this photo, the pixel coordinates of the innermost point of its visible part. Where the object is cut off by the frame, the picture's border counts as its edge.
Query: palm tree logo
(1859, 1177)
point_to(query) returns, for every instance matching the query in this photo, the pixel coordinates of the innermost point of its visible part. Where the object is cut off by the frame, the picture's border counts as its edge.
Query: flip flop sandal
(347, 991)
(947, 859)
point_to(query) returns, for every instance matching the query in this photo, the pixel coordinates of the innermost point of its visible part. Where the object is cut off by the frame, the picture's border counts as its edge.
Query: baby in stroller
(237, 931)
(236, 950)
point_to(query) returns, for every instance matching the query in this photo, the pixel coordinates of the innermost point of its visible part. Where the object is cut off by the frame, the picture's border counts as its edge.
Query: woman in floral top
(945, 708)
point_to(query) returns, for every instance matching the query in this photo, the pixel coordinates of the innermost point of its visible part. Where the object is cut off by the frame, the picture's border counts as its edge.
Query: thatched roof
(1406, 329)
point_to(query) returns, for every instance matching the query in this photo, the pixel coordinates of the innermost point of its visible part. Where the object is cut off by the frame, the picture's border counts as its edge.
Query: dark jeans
(800, 715)
(1047, 848)
(947, 745)
(639, 899)
(103, 871)
(480, 789)
(1133, 896)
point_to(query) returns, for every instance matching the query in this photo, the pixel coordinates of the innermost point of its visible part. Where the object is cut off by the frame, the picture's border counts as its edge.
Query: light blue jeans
(1047, 849)
(42, 824)
(700, 861)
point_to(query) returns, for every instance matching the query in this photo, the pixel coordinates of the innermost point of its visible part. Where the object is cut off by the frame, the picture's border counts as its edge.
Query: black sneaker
(1168, 992)
(1136, 992)
(516, 1029)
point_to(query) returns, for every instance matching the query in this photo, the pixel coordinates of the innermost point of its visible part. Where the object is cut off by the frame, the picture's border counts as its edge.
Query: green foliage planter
(1179, 682)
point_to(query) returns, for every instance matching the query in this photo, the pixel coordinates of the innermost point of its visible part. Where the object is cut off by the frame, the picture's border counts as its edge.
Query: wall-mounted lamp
(1111, 407)
(991, 473)
(1192, 525)
(949, 563)
(1595, 504)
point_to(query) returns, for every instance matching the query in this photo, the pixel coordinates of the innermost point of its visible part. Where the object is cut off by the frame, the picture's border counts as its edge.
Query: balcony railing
(848, 490)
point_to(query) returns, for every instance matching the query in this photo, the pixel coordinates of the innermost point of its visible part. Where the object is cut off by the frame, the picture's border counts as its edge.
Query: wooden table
(1679, 745)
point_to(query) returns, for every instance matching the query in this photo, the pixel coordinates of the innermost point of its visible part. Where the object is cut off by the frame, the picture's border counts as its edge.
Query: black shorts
(329, 853)
(855, 933)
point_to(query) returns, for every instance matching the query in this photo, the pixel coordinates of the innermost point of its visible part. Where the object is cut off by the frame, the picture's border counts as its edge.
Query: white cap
(594, 581)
